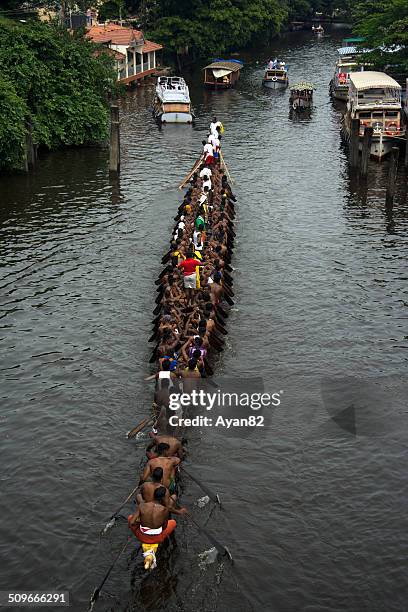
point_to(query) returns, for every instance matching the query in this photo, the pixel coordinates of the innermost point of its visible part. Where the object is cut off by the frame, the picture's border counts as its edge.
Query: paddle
(223, 550)
(228, 299)
(214, 497)
(95, 594)
(133, 432)
(112, 519)
(188, 177)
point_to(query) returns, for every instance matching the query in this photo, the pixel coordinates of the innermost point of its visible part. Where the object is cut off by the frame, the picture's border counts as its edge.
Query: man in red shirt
(189, 266)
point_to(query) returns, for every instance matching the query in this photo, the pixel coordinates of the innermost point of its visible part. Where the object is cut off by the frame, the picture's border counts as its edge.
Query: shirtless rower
(216, 289)
(151, 524)
(175, 449)
(147, 489)
(168, 464)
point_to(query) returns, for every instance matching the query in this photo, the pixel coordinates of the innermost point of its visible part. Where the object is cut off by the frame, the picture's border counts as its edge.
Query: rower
(189, 267)
(151, 524)
(208, 153)
(168, 464)
(147, 489)
(175, 449)
(205, 173)
(216, 289)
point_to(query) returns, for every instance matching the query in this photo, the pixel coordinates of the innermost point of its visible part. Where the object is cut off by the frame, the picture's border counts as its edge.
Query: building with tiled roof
(135, 56)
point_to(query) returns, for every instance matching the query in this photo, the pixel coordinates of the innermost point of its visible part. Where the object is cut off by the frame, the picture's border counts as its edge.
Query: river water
(314, 505)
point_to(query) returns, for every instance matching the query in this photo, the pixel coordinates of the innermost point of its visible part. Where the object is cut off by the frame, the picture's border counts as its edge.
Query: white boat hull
(175, 118)
(269, 84)
(380, 148)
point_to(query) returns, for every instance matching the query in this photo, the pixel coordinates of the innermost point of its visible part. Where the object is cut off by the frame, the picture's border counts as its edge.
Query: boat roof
(172, 89)
(352, 40)
(371, 78)
(303, 86)
(347, 50)
(231, 65)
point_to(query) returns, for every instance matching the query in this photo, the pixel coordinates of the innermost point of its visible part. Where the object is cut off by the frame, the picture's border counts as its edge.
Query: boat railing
(172, 84)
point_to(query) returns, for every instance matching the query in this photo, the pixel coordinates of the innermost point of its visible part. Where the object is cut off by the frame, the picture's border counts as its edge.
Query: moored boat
(301, 96)
(276, 75)
(375, 99)
(171, 102)
(346, 63)
(222, 74)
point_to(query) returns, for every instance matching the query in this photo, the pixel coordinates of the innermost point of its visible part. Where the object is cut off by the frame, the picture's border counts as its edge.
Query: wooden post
(392, 176)
(406, 135)
(368, 136)
(31, 150)
(114, 149)
(354, 142)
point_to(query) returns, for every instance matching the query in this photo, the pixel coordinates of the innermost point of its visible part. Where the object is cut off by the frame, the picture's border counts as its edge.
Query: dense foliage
(208, 27)
(53, 80)
(384, 24)
(304, 9)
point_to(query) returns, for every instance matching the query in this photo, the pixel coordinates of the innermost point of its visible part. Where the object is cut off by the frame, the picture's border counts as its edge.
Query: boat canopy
(303, 86)
(223, 67)
(220, 72)
(347, 50)
(371, 79)
(353, 40)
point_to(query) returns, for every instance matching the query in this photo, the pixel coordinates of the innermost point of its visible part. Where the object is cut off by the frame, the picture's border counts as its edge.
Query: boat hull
(175, 118)
(299, 104)
(278, 84)
(380, 148)
(340, 92)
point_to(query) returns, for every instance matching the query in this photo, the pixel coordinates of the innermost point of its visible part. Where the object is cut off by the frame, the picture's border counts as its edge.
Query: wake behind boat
(172, 103)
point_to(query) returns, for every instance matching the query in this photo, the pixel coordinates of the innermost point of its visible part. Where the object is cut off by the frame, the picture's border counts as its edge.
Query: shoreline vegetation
(55, 86)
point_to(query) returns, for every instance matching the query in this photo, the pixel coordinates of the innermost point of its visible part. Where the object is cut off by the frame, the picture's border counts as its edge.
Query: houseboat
(276, 75)
(346, 63)
(301, 96)
(375, 99)
(222, 74)
(171, 102)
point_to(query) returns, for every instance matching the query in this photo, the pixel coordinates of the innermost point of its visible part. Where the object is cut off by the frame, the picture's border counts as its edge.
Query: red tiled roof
(113, 33)
(116, 54)
(151, 46)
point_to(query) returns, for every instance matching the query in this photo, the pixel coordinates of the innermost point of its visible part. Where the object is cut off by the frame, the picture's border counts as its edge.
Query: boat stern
(176, 117)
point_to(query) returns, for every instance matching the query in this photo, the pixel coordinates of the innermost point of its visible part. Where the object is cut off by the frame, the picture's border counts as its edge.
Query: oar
(223, 550)
(226, 168)
(228, 299)
(214, 497)
(145, 423)
(188, 177)
(97, 591)
(113, 518)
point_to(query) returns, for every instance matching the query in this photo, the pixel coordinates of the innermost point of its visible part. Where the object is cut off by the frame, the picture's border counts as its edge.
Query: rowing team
(156, 496)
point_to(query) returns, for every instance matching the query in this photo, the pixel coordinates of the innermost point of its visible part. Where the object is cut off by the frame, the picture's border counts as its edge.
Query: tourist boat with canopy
(276, 75)
(301, 96)
(375, 99)
(347, 63)
(171, 102)
(222, 74)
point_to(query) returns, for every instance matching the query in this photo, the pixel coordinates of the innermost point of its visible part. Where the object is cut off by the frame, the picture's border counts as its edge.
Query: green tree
(212, 27)
(55, 81)
(384, 24)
